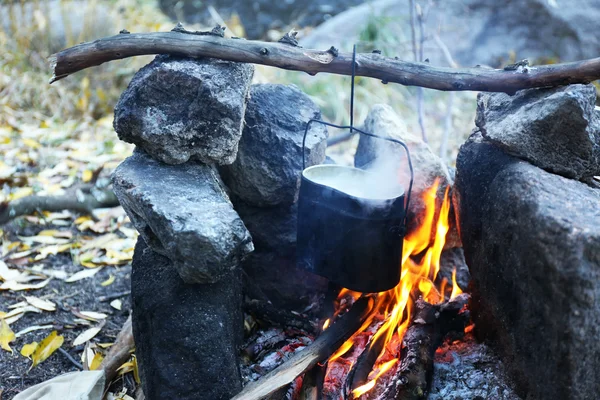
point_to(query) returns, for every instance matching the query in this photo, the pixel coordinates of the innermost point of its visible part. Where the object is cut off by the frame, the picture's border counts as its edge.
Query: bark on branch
(291, 57)
(80, 202)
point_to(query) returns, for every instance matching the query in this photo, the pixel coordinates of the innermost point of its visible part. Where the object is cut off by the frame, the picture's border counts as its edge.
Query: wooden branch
(290, 57)
(83, 203)
(304, 360)
(119, 353)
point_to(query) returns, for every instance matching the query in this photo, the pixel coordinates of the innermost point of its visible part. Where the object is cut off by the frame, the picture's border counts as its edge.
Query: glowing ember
(394, 307)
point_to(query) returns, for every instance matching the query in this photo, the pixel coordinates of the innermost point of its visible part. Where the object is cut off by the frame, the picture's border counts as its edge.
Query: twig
(81, 202)
(119, 353)
(449, 108)
(420, 106)
(70, 358)
(413, 33)
(113, 296)
(284, 56)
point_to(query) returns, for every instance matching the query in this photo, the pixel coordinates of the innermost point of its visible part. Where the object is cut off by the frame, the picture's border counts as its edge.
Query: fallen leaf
(6, 335)
(96, 361)
(46, 347)
(92, 315)
(53, 249)
(43, 239)
(116, 304)
(109, 281)
(33, 328)
(83, 274)
(12, 285)
(7, 274)
(41, 304)
(86, 335)
(104, 345)
(28, 349)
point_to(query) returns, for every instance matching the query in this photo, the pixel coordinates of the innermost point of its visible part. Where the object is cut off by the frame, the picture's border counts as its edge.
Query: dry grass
(31, 31)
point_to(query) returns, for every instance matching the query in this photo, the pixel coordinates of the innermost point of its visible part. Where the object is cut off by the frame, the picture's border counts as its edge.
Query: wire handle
(352, 129)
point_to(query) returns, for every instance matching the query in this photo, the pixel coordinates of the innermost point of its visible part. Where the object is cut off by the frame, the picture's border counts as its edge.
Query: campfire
(391, 336)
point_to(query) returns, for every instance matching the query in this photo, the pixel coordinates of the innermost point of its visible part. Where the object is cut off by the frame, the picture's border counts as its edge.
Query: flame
(326, 323)
(417, 279)
(455, 288)
(382, 369)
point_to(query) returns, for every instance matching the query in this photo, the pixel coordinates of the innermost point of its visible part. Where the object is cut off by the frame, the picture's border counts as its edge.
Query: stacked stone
(529, 217)
(186, 118)
(265, 180)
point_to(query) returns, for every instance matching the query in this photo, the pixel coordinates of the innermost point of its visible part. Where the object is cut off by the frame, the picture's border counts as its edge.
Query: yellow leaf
(86, 176)
(109, 281)
(96, 361)
(46, 347)
(28, 349)
(6, 335)
(136, 372)
(125, 368)
(31, 143)
(20, 193)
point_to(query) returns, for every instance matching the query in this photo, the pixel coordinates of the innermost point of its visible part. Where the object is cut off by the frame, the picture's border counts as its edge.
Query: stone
(555, 129)
(467, 369)
(267, 169)
(485, 32)
(454, 260)
(186, 335)
(273, 229)
(388, 161)
(532, 242)
(177, 109)
(257, 17)
(183, 212)
(285, 285)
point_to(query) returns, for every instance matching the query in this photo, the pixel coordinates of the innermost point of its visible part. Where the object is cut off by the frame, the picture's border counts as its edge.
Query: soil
(83, 295)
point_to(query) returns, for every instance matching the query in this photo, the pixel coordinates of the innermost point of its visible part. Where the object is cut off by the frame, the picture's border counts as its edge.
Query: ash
(467, 369)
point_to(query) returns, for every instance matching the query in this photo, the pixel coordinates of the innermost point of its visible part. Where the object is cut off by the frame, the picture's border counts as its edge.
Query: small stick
(70, 358)
(119, 353)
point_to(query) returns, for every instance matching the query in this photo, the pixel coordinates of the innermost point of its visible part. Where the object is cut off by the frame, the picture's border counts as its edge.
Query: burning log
(318, 351)
(430, 325)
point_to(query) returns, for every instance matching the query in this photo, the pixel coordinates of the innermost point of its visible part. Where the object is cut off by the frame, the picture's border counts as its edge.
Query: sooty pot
(349, 230)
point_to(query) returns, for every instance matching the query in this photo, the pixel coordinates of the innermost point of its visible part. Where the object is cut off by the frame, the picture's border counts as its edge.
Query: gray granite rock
(183, 212)
(388, 160)
(177, 109)
(555, 129)
(454, 260)
(267, 169)
(186, 335)
(273, 229)
(532, 242)
(284, 284)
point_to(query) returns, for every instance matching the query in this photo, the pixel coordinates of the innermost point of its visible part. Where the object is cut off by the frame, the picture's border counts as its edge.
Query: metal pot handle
(410, 166)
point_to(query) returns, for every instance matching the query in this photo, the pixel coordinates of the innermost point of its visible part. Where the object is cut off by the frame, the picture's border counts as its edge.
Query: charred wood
(304, 360)
(268, 312)
(431, 324)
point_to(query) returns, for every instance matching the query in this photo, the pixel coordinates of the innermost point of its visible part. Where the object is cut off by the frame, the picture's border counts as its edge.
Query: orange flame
(417, 278)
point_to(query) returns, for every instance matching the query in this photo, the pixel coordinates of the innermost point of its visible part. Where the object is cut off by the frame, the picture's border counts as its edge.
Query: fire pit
(218, 227)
